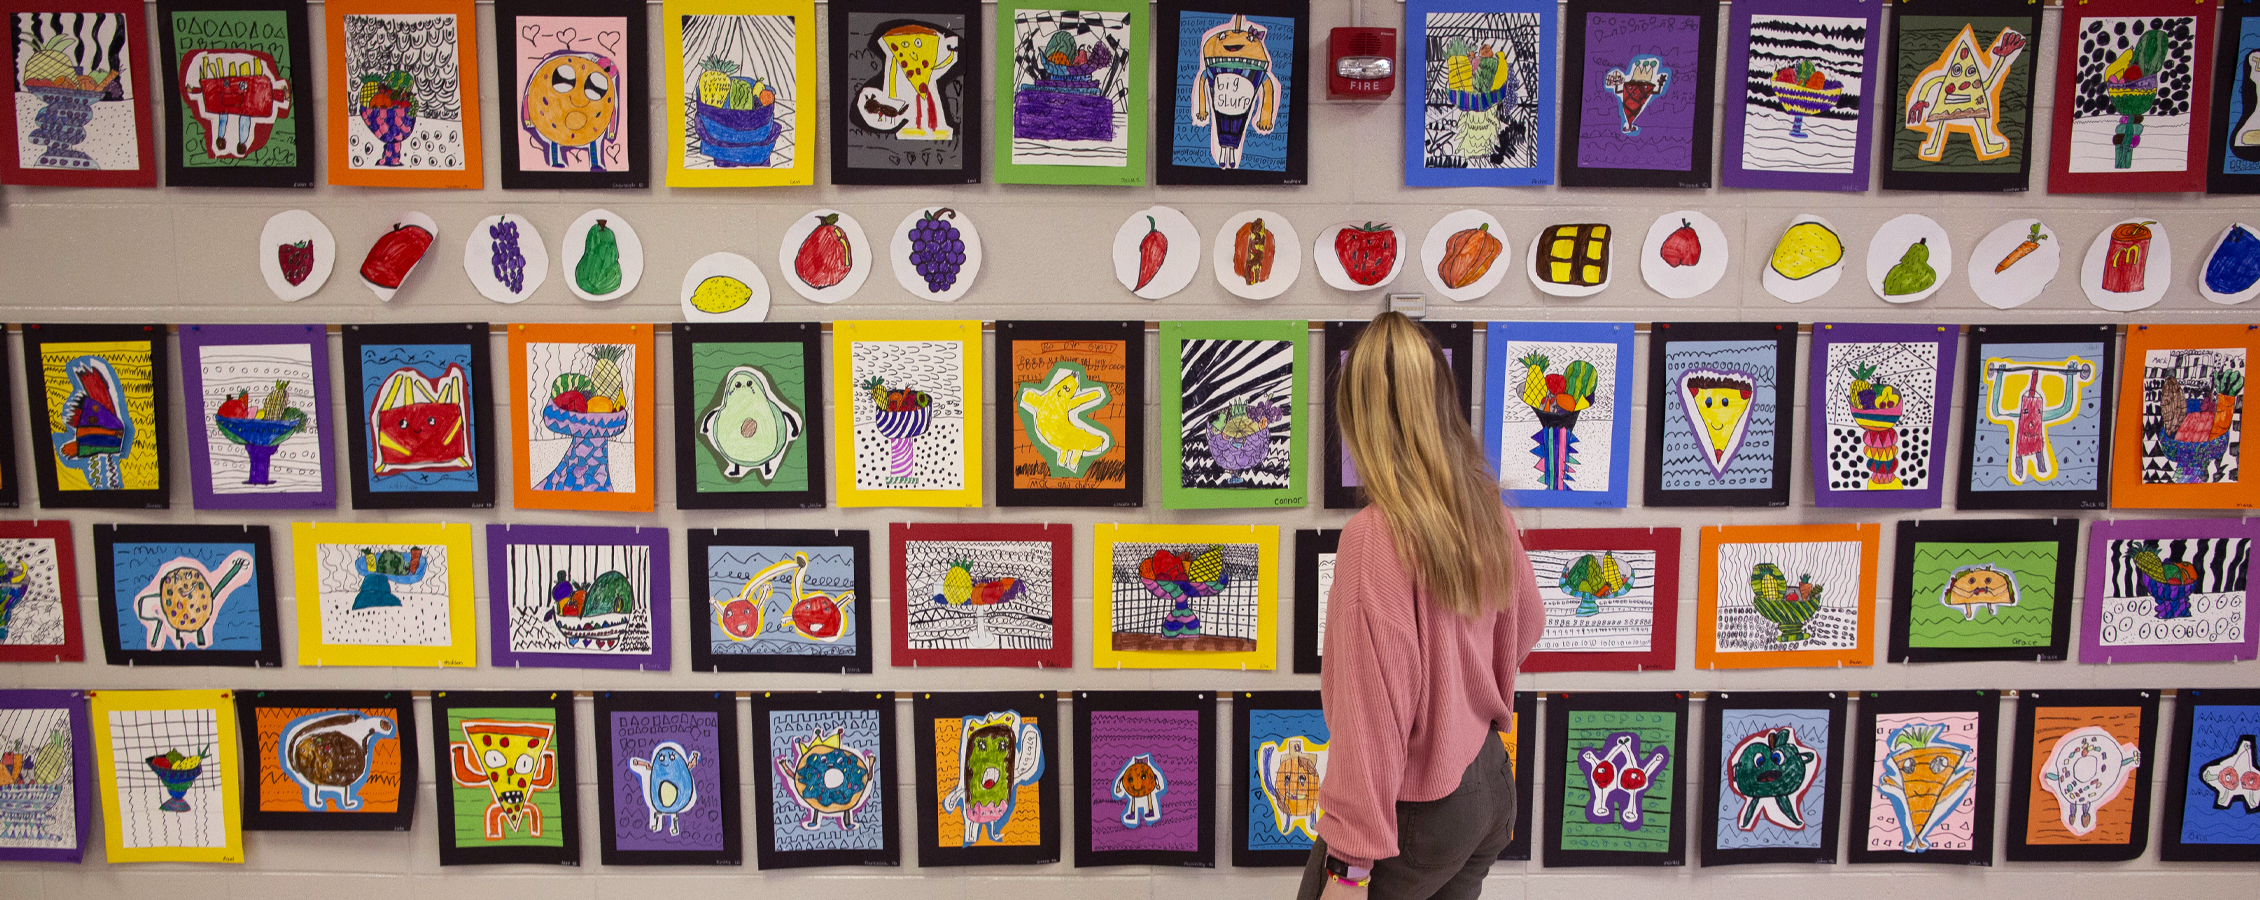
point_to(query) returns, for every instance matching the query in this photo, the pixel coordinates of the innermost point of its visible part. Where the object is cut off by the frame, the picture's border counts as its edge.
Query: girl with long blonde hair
(1433, 608)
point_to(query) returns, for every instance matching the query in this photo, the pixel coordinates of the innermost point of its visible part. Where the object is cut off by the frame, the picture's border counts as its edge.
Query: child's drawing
(403, 93)
(1070, 86)
(1802, 596)
(2192, 415)
(582, 397)
(573, 113)
(1194, 597)
(1237, 418)
(979, 595)
(1555, 433)
(2133, 94)
(74, 91)
(909, 415)
(262, 434)
(384, 595)
(741, 94)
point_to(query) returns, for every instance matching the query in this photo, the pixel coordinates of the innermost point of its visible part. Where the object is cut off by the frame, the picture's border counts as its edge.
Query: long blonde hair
(1422, 466)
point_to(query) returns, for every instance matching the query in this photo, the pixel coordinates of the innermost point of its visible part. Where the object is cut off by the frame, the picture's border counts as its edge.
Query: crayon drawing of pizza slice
(1717, 403)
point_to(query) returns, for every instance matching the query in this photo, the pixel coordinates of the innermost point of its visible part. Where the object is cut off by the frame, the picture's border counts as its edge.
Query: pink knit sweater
(1412, 690)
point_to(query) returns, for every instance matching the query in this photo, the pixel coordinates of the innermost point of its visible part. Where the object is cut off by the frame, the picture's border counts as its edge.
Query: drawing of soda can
(2127, 258)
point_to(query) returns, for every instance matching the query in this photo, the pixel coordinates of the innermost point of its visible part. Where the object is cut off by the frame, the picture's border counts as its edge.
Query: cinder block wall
(184, 255)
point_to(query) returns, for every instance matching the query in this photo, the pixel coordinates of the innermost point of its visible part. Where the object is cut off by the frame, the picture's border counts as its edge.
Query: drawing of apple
(1683, 248)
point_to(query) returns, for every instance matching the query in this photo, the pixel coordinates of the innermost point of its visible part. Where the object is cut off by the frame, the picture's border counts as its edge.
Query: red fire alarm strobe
(1364, 63)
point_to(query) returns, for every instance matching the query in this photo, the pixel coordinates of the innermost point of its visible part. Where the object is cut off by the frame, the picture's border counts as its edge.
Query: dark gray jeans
(1444, 846)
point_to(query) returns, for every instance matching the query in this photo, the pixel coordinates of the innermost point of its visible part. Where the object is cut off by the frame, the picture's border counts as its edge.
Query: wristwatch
(1353, 876)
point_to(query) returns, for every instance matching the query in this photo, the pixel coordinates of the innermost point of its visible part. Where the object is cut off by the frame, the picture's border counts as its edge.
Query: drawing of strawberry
(297, 261)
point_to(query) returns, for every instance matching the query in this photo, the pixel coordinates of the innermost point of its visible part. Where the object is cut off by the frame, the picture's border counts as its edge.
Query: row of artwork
(1802, 84)
(1163, 596)
(742, 93)
(180, 775)
(935, 254)
(1070, 99)
(908, 398)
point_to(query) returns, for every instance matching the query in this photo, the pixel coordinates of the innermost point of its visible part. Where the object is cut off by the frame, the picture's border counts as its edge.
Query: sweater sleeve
(1528, 609)
(1371, 686)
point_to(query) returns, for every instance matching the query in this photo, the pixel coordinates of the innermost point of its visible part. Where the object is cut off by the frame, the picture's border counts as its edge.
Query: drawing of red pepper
(397, 252)
(1151, 251)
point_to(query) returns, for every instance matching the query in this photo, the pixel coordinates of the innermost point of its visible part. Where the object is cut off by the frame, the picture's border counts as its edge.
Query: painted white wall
(187, 256)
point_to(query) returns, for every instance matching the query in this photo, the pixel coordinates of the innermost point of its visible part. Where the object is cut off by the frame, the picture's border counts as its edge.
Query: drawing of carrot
(2032, 242)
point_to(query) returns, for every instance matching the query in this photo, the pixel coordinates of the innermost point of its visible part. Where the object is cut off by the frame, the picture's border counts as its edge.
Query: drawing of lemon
(720, 294)
(1806, 248)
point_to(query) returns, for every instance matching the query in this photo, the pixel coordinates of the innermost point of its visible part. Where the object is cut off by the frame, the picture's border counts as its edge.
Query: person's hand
(1336, 890)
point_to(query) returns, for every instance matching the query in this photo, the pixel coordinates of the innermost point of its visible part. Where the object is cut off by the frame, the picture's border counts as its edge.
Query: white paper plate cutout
(824, 256)
(2128, 266)
(1572, 260)
(2005, 283)
(505, 258)
(725, 287)
(1157, 251)
(1806, 260)
(2231, 273)
(608, 267)
(1465, 255)
(1909, 259)
(1257, 282)
(1359, 256)
(937, 253)
(1684, 255)
(296, 253)
(397, 253)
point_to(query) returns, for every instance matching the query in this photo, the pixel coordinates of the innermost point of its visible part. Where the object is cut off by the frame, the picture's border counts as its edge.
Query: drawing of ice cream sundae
(1634, 86)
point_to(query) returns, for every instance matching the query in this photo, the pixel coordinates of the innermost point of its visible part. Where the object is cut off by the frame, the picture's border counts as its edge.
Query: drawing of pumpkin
(1468, 255)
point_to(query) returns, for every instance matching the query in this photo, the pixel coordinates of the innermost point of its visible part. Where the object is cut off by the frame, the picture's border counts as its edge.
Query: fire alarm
(1365, 63)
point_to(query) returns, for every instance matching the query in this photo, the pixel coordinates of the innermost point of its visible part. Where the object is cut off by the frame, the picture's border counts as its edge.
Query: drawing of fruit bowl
(1240, 437)
(737, 137)
(390, 125)
(1805, 89)
(1065, 103)
(2194, 459)
(1060, 67)
(260, 438)
(586, 466)
(2170, 588)
(1786, 606)
(15, 582)
(176, 780)
(1478, 101)
(902, 425)
(62, 124)
(1176, 578)
(24, 809)
(584, 425)
(1592, 579)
